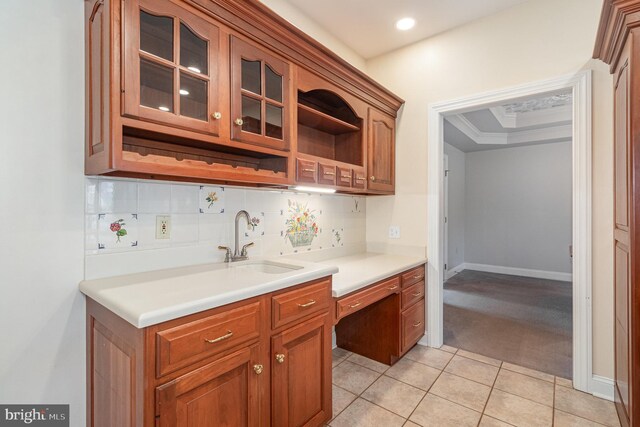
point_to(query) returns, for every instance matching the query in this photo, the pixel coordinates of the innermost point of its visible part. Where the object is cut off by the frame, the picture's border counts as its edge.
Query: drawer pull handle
(258, 369)
(418, 277)
(415, 325)
(346, 176)
(393, 287)
(417, 294)
(329, 173)
(228, 335)
(308, 170)
(355, 305)
(280, 358)
(360, 179)
(308, 304)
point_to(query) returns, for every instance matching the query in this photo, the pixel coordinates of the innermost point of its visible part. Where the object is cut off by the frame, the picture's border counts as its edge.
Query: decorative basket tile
(301, 224)
(117, 231)
(211, 200)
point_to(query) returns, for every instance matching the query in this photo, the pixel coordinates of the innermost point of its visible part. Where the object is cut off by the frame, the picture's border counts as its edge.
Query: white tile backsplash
(117, 196)
(154, 198)
(195, 231)
(184, 199)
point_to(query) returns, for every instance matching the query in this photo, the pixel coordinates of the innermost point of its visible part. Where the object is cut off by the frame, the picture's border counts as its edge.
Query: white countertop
(146, 299)
(358, 271)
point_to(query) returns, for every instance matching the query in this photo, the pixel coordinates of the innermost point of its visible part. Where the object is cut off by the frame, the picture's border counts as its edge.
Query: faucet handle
(227, 257)
(244, 248)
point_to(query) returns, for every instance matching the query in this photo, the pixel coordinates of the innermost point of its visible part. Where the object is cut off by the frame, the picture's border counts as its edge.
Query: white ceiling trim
(532, 118)
(552, 133)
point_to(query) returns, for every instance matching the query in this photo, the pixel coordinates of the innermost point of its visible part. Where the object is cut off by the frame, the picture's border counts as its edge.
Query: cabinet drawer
(352, 303)
(412, 294)
(344, 177)
(412, 276)
(412, 325)
(305, 171)
(183, 345)
(359, 178)
(326, 174)
(292, 305)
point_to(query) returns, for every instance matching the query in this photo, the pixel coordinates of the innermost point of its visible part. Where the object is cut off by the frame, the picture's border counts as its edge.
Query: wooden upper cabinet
(381, 152)
(260, 85)
(222, 393)
(171, 66)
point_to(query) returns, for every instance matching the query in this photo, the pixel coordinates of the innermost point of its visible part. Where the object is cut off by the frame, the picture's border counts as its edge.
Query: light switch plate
(163, 227)
(394, 232)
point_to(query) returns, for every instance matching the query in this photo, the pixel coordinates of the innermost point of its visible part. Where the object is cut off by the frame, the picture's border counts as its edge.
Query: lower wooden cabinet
(384, 320)
(222, 393)
(258, 362)
(301, 374)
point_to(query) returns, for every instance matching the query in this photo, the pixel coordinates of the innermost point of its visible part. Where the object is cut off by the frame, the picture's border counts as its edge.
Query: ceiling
(368, 26)
(537, 120)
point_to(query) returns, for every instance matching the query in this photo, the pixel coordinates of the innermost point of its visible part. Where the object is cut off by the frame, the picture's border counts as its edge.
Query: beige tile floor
(451, 387)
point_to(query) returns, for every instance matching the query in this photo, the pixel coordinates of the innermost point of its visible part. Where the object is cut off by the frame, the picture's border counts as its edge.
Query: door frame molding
(580, 85)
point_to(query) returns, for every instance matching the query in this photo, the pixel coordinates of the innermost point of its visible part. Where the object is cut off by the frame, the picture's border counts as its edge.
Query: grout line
(553, 403)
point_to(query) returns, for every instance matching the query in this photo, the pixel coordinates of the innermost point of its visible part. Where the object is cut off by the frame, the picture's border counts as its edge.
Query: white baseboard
(452, 272)
(525, 272)
(602, 387)
(425, 339)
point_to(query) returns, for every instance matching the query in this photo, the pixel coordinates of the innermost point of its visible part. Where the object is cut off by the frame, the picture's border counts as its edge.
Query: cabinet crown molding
(618, 17)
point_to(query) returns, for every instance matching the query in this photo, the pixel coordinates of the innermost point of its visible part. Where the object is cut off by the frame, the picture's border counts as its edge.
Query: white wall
(518, 207)
(457, 210)
(42, 186)
(313, 29)
(533, 41)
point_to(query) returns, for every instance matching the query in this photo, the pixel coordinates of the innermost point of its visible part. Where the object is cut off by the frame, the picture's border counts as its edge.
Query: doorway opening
(507, 232)
(577, 88)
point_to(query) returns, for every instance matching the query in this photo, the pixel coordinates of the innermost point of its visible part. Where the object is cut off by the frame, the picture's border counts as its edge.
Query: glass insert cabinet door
(260, 84)
(171, 73)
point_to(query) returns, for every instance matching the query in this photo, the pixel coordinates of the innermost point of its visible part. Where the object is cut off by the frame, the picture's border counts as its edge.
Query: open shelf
(328, 128)
(318, 120)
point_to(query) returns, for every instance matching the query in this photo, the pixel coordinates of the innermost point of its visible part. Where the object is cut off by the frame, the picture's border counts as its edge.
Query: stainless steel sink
(268, 267)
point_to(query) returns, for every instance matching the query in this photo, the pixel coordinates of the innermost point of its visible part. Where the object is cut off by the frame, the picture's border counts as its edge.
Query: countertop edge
(166, 314)
(367, 281)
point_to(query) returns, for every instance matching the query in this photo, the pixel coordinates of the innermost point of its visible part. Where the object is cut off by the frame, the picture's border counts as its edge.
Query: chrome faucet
(238, 255)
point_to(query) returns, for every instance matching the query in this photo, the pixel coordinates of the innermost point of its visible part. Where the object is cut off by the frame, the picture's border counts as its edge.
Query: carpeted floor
(520, 320)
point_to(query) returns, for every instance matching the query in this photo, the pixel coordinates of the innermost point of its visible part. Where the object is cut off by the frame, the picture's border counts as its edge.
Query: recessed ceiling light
(184, 92)
(163, 108)
(405, 24)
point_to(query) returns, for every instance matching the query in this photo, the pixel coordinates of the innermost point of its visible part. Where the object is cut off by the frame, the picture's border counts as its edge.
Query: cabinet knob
(258, 369)
(280, 358)
(217, 115)
(373, 178)
(239, 122)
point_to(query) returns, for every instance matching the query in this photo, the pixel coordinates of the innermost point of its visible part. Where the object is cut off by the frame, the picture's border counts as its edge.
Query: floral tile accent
(211, 200)
(301, 224)
(256, 225)
(357, 203)
(337, 237)
(117, 231)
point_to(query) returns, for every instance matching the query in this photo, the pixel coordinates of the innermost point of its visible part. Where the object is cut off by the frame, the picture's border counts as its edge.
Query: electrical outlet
(394, 232)
(163, 227)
